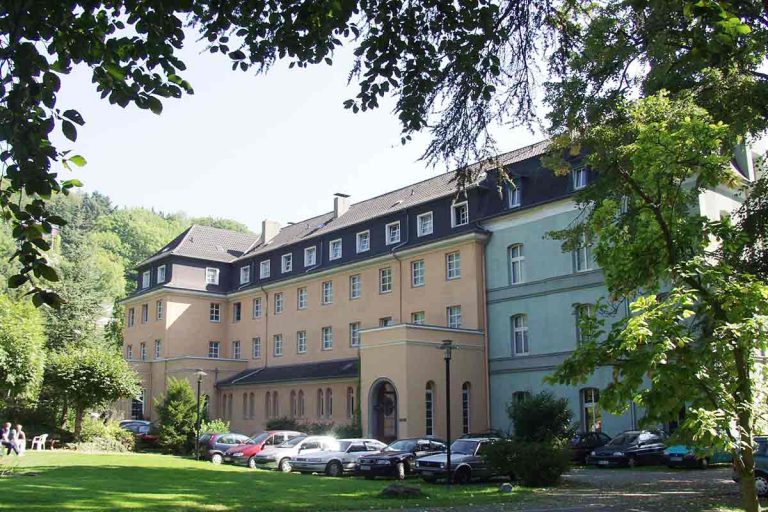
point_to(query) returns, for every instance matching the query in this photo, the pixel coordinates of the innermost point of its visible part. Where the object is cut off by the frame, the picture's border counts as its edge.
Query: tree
(83, 377)
(22, 350)
(177, 414)
(698, 321)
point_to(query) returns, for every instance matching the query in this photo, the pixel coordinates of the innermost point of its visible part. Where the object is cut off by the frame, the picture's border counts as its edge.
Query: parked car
(681, 455)
(397, 459)
(485, 433)
(761, 466)
(583, 443)
(243, 454)
(213, 445)
(631, 448)
(467, 461)
(143, 431)
(338, 459)
(279, 457)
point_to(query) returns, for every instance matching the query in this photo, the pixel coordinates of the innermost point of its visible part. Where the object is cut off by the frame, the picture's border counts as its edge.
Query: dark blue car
(213, 445)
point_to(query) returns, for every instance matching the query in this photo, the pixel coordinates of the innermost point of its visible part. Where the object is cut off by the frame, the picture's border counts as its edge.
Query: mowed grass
(71, 481)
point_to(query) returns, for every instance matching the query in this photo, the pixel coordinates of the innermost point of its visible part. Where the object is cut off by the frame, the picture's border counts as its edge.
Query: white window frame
(214, 312)
(214, 350)
(236, 349)
(583, 255)
(453, 265)
(145, 278)
(359, 237)
(310, 256)
(327, 293)
(245, 274)
(580, 178)
(420, 231)
(265, 269)
(515, 193)
(301, 342)
(385, 284)
(211, 275)
(129, 352)
(355, 286)
(142, 351)
(331, 252)
(256, 347)
(161, 274)
(144, 313)
(390, 231)
(516, 264)
(286, 263)
(418, 273)
(327, 337)
(456, 221)
(301, 298)
(453, 317)
(131, 320)
(237, 311)
(354, 334)
(520, 330)
(277, 345)
(256, 307)
(158, 310)
(582, 311)
(418, 318)
(279, 303)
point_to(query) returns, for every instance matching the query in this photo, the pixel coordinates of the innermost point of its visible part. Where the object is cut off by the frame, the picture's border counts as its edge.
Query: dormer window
(424, 224)
(459, 214)
(145, 279)
(245, 274)
(579, 178)
(334, 249)
(286, 263)
(211, 275)
(161, 274)
(310, 256)
(393, 232)
(264, 269)
(363, 241)
(515, 193)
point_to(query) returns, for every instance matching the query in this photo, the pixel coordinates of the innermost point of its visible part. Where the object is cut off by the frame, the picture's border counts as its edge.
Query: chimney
(340, 205)
(269, 229)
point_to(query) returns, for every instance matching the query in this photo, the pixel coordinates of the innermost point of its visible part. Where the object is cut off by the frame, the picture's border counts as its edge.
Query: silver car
(467, 461)
(279, 457)
(339, 459)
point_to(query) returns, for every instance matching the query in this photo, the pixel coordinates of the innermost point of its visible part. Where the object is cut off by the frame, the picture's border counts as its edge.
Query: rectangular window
(579, 178)
(516, 261)
(354, 334)
(159, 310)
(385, 280)
(454, 316)
(459, 214)
(145, 279)
(278, 303)
(144, 313)
(286, 263)
(157, 349)
(211, 275)
(327, 292)
(515, 193)
(214, 312)
(418, 318)
(277, 345)
(143, 351)
(237, 310)
(385, 321)
(301, 298)
(264, 269)
(417, 273)
(245, 274)
(583, 312)
(363, 241)
(161, 274)
(236, 349)
(392, 232)
(424, 224)
(355, 287)
(327, 338)
(334, 249)
(256, 348)
(131, 317)
(301, 342)
(453, 265)
(129, 352)
(213, 349)
(257, 307)
(520, 335)
(582, 256)
(310, 256)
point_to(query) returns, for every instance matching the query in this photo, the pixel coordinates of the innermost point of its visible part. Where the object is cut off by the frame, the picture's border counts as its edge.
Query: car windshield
(341, 446)
(405, 445)
(464, 447)
(258, 439)
(624, 439)
(292, 442)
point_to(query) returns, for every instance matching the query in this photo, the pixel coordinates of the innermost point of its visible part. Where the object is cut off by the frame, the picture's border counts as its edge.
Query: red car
(243, 453)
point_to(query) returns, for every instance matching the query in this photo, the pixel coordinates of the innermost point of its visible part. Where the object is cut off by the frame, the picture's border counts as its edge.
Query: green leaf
(154, 105)
(78, 160)
(74, 116)
(48, 273)
(17, 280)
(69, 130)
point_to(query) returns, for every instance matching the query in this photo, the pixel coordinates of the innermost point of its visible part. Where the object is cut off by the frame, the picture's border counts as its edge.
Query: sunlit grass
(52, 481)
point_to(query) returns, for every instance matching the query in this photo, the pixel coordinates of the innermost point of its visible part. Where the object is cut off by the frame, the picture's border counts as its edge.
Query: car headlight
(618, 454)
(593, 453)
(442, 465)
(383, 461)
(237, 454)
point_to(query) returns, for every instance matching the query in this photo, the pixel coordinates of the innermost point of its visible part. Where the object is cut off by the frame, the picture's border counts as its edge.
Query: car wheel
(284, 466)
(401, 470)
(704, 463)
(333, 468)
(217, 458)
(632, 462)
(462, 476)
(761, 485)
(252, 463)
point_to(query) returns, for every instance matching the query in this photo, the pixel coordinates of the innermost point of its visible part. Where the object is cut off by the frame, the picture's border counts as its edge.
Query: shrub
(542, 418)
(348, 431)
(533, 464)
(318, 429)
(177, 416)
(214, 425)
(283, 423)
(106, 435)
(99, 444)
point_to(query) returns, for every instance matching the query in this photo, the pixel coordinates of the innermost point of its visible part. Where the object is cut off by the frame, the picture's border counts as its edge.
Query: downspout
(266, 325)
(400, 262)
(486, 340)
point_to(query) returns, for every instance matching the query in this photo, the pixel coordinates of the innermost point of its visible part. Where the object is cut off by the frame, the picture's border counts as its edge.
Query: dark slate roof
(208, 243)
(295, 372)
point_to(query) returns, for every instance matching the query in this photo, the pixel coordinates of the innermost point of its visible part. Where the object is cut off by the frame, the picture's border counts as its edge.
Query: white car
(338, 459)
(279, 457)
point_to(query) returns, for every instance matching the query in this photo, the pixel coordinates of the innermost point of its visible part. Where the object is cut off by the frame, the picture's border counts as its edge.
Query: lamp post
(447, 347)
(200, 374)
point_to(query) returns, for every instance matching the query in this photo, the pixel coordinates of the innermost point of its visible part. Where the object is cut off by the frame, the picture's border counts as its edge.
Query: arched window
(465, 396)
(293, 404)
(520, 335)
(268, 405)
(429, 409)
(320, 404)
(301, 404)
(245, 406)
(350, 403)
(275, 405)
(591, 417)
(329, 403)
(516, 262)
(251, 405)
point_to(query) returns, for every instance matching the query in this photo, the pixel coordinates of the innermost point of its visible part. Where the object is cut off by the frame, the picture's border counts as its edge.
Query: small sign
(402, 420)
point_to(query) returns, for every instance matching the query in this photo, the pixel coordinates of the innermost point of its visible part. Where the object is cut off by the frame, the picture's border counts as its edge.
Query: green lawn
(71, 481)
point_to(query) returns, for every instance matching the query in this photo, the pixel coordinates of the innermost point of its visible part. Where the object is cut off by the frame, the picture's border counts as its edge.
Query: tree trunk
(745, 461)
(79, 413)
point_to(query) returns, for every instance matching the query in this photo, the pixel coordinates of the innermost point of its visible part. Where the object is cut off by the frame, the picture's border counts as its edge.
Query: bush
(348, 431)
(214, 425)
(106, 435)
(533, 464)
(283, 423)
(542, 418)
(177, 416)
(100, 444)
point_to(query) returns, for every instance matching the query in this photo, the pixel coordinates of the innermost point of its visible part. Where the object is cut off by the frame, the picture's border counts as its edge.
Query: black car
(397, 459)
(583, 443)
(631, 448)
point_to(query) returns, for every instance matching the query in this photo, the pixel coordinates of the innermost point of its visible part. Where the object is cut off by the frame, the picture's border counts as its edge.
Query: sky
(246, 147)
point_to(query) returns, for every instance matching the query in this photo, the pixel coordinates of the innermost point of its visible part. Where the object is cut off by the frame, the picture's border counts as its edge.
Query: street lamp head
(447, 347)
(200, 374)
